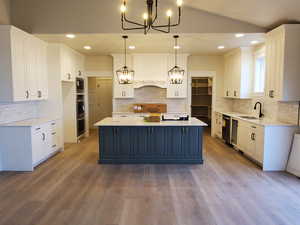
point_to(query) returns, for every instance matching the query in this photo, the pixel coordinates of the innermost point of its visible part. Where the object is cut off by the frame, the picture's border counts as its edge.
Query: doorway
(100, 99)
(202, 96)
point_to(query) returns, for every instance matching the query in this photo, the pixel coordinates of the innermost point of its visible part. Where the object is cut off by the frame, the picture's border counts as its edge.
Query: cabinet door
(190, 142)
(41, 68)
(173, 142)
(229, 68)
(259, 144)
(176, 91)
(40, 143)
(123, 90)
(274, 64)
(156, 140)
(30, 57)
(18, 66)
(67, 66)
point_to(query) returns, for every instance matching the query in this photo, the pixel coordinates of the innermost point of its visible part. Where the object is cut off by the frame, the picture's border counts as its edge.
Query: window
(259, 72)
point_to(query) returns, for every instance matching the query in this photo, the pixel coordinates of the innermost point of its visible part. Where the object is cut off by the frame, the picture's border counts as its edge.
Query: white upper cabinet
(79, 65)
(238, 70)
(23, 66)
(122, 90)
(68, 72)
(150, 70)
(177, 90)
(282, 63)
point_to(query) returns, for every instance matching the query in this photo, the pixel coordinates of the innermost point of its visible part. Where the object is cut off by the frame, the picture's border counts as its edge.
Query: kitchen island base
(150, 144)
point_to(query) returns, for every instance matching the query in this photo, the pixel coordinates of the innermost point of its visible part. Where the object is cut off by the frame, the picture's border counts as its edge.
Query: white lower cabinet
(35, 144)
(251, 140)
(269, 145)
(218, 124)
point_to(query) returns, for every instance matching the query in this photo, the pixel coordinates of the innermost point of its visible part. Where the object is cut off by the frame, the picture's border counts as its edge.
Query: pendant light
(124, 74)
(176, 74)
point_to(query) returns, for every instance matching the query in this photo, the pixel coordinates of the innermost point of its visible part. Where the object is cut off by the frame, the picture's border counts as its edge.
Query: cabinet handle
(37, 128)
(27, 94)
(234, 93)
(39, 94)
(69, 76)
(44, 136)
(253, 126)
(254, 136)
(79, 73)
(53, 124)
(53, 146)
(271, 93)
(227, 93)
(53, 133)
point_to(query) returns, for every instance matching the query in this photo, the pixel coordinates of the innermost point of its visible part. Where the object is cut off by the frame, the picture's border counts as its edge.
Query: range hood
(149, 83)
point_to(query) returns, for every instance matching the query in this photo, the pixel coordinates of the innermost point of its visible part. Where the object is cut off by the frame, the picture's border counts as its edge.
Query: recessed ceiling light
(131, 47)
(221, 47)
(239, 35)
(254, 42)
(87, 47)
(70, 35)
(176, 47)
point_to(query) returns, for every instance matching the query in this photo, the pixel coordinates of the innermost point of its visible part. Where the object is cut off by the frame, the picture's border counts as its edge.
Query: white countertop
(261, 122)
(28, 123)
(117, 121)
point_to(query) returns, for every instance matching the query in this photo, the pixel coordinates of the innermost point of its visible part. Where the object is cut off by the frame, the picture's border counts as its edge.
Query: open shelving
(202, 98)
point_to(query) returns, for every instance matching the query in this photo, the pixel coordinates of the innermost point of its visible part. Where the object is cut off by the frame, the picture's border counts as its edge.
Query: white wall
(5, 12)
(103, 16)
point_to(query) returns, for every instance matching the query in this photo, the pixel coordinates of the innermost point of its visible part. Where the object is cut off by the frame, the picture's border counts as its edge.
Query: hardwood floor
(71, 188)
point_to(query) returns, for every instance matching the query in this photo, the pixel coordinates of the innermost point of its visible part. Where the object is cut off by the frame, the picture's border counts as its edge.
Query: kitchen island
(131, 140)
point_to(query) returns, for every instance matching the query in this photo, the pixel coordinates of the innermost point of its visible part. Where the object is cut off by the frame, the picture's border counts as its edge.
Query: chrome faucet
(260, 108)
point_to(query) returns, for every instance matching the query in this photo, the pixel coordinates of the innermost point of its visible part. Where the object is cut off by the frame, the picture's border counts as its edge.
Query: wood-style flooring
(72, 189)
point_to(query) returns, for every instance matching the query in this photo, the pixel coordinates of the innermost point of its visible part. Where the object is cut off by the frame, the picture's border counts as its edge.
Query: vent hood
(147, 83)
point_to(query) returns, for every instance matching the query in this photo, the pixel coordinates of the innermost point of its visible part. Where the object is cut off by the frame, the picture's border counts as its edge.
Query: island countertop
(117, 121)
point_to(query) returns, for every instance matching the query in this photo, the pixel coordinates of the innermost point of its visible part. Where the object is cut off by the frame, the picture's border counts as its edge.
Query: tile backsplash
(151, 95)
(16, 112)
(282, 111)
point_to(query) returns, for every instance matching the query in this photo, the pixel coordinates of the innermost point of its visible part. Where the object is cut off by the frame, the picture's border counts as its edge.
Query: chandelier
(176, 74)
(149, 18)
(124, 74)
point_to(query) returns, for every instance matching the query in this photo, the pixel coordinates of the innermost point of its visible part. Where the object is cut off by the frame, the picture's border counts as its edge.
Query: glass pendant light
(125, 75)
(176, 74)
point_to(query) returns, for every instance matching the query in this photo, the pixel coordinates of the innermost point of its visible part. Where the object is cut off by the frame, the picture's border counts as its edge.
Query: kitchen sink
(249, 117)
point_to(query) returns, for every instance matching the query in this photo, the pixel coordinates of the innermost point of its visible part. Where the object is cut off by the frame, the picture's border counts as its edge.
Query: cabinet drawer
(53, 126)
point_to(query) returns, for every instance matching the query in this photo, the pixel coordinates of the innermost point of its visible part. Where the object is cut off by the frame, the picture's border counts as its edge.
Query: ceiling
(104, 44)
(264, 13)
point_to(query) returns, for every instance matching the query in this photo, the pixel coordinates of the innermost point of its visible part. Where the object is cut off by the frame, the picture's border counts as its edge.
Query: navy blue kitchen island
(131, 140)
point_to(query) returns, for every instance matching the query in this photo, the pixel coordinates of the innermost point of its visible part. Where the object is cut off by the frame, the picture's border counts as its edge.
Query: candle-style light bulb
(145, 16)
(169, 13)
(123, 8)
(179, 3)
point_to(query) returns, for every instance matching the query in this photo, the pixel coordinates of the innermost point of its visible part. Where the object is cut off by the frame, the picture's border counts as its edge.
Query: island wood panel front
(150, 144)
